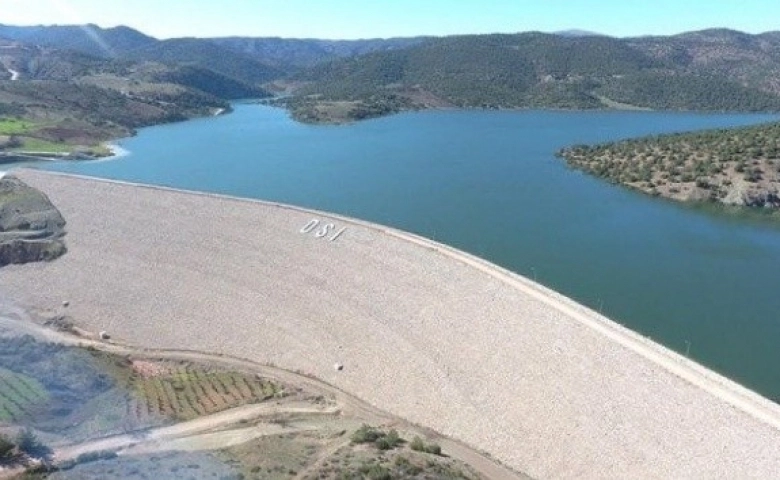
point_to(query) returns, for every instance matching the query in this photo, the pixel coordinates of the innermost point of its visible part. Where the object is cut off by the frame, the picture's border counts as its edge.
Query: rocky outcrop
(763, 200)
(745, 194)
(31, 228)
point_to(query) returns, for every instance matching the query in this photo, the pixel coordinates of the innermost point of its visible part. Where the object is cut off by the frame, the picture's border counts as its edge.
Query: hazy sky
(386, 18)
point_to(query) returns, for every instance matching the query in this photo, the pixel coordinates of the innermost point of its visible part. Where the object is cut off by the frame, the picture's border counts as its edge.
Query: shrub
(28, 442)
(433, 449)
(95, 456)
(382, 443)
(376, 472)
(366, 434)
(417, 444)
(380, 439)
(7, 448)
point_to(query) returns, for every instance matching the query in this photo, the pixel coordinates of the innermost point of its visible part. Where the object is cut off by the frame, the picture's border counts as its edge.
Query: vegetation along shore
(739, 167)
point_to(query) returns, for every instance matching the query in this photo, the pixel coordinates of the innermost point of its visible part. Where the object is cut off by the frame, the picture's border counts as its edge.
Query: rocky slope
(31, 228)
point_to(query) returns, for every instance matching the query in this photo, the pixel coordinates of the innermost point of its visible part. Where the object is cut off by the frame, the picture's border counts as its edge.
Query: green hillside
(536, 70)
(290, 54)
(70, 102)
(335, 81)
(207, 54)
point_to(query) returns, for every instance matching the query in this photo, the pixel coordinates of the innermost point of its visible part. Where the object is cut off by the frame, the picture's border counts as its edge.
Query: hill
(713, 70)
(207, 54)
(739, 166)
(58, 102)
(88, 39)
(124, 43)
(333, 81)
(292, 53)
(342, 80)
(248, 59)
(750, 60)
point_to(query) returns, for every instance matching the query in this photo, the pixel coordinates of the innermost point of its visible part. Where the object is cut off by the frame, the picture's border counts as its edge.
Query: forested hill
(291, 53)
(335, 80)
(711, 70)
(57, 102)
(251, 59)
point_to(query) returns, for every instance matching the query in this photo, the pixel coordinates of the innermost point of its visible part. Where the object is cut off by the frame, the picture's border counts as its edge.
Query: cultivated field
(18, 395)
(187, 392)
(426, 332)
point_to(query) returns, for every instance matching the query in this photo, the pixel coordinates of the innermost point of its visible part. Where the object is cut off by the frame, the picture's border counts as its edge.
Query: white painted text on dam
(321, 229)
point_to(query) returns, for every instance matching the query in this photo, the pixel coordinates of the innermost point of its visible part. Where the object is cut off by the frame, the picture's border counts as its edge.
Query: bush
(419, 446)
(380, 439)
(433, 449)
(95, 456)
(366, 434)
(7, 448)
(383, 444)
(375, 472)
(393, 438)
(28, 443)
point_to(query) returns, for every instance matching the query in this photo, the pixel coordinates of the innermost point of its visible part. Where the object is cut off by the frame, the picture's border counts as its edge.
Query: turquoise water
(488, 183)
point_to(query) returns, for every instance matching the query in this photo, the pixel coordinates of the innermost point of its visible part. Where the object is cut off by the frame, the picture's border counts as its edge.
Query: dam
(424, 331)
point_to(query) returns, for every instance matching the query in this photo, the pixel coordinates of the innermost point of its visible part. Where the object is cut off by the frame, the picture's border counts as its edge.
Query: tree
(7, 448)
(28, 443)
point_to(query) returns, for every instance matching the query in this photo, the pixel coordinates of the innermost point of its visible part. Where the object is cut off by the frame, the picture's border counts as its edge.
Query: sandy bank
(429, 333)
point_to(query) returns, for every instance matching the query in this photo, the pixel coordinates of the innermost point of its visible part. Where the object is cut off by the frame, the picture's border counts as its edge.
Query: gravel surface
(424, 331)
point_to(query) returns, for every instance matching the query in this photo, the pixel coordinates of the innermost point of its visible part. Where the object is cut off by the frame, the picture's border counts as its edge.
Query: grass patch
(15, 126)
(30, 144)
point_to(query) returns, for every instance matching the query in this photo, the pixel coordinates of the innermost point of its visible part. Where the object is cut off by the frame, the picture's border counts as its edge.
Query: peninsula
(738, 166)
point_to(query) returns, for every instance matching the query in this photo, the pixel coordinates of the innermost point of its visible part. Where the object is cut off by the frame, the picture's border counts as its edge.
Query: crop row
(18, 393)
(189, 392)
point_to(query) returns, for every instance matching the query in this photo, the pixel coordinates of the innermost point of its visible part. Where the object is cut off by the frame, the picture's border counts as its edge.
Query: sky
(349, 19)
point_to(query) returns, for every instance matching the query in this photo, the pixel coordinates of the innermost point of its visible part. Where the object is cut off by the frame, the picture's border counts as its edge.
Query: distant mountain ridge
(276, 55)
(708, 70)
(89, 39)
(308, 52)
(575, 32)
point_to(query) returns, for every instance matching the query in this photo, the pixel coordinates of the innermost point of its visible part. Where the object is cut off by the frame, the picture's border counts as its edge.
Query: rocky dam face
(31, 227)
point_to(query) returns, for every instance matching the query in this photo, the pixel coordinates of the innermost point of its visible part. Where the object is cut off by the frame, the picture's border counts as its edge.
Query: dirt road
(201, 432)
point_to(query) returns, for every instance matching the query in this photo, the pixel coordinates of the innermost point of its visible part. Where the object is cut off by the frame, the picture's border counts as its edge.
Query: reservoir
(703, 283)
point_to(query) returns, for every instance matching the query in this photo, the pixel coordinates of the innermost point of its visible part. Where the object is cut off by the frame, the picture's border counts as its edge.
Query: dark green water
(488, 183)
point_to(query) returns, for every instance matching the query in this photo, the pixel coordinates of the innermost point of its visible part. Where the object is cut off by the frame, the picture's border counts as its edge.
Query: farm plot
(19, 394)
(184, 392)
